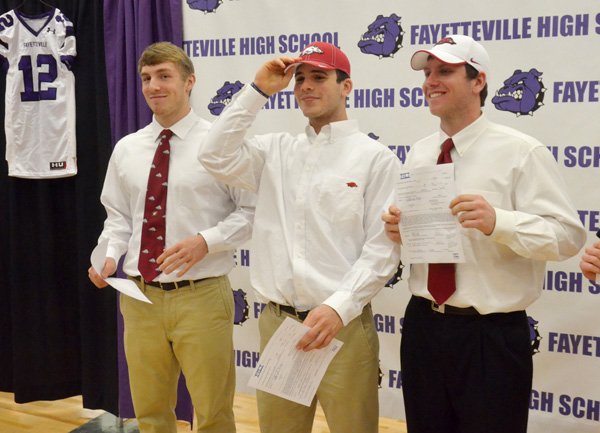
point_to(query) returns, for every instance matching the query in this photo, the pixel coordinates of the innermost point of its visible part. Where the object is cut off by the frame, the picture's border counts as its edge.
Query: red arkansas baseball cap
(324, 56)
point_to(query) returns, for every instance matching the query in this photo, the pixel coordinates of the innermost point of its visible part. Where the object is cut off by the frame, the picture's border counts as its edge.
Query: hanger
(47, 4)
(20, 5)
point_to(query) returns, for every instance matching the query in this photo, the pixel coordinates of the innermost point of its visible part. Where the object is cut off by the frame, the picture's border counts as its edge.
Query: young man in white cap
(465, 353)
(320, 253)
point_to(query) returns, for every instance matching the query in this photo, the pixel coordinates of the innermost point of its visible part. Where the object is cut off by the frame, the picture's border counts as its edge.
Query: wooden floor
(64, 416)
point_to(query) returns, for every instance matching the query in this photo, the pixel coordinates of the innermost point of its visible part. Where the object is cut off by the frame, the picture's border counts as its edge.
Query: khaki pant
(188, 329)
(348, 392)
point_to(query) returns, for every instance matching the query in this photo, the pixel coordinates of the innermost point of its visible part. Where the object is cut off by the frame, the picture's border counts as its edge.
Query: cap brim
(309, 62)
(419, 59)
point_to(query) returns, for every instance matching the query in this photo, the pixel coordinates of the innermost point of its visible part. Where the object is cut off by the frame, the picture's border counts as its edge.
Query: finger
(307, 339)
(394, 237)
(173, 265)
(391, 227)
(98, 282)
(389, 218)
(317, 343)
(167, 253)
(328, 339)
(174, 260)
(185, 269)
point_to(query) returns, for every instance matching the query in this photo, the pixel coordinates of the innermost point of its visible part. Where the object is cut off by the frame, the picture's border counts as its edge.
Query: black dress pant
(465, 373)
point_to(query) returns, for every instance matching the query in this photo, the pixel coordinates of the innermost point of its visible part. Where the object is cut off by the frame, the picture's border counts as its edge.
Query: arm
(228, 234)
(225, 154)
(543, 224)
(115, 198)
(377, 262)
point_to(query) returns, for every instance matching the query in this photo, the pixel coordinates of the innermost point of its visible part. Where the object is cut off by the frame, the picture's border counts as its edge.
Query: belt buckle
(175, 283)
(438, 308)
(301, 315)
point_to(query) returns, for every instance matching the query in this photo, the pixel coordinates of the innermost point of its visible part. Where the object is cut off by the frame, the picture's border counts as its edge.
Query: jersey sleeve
(67, 51)
(6, 22)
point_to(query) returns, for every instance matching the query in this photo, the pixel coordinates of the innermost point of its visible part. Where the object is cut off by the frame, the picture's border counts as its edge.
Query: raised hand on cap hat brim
(275, 75)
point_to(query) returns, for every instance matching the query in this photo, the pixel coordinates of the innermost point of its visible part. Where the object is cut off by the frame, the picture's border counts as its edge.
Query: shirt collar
(333, 131)
(180, 129)
(466, 137)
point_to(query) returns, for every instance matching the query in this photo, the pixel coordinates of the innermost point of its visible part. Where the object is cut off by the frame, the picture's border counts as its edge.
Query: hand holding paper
(430, 233)
(290, 373)
(123, 285)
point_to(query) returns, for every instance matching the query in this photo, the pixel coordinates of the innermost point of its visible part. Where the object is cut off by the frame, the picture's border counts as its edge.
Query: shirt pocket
(340, 199)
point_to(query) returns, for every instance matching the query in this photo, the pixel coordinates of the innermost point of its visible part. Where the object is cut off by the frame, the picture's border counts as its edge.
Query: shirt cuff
(251, 99)
(505, 226)
(344, 305)
(113, 253)
(214, 240)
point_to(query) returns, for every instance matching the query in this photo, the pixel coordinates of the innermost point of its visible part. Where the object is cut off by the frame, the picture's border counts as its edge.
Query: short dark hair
(341, 76)
(472, 73)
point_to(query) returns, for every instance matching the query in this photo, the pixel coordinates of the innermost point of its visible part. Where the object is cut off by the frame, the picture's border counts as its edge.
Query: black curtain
(57, 331)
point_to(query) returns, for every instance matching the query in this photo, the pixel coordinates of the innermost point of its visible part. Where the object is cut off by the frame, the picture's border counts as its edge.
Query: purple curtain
(130, 26)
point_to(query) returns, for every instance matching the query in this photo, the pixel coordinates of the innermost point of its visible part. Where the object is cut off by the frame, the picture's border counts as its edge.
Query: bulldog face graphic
(241, 307)
(534, 335)
(205, 6)
(383, 37)
(223, 97)
(522, 93)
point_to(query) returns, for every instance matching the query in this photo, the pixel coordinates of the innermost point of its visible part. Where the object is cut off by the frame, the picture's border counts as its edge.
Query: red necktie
(152, 243)
(441, 281)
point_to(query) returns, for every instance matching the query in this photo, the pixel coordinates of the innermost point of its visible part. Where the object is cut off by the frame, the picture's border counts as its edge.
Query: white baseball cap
(455, 50)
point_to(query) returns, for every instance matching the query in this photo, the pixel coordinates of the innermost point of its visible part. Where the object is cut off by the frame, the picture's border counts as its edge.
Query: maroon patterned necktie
(152, 243)
(441, 281)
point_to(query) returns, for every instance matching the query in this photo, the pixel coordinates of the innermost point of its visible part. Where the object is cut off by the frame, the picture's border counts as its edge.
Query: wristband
(255, 87)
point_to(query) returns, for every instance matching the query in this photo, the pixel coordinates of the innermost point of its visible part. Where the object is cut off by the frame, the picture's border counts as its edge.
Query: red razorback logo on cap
(312, 50)
(446, 41)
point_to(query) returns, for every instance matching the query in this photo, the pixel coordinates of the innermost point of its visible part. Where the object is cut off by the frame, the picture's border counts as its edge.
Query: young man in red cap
(465, 350)
(321, 253)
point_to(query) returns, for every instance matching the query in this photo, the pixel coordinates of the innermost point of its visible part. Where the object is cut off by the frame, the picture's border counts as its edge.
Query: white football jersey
(40, 94)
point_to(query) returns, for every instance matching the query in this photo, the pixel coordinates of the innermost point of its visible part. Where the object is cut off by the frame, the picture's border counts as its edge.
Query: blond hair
(161, 52)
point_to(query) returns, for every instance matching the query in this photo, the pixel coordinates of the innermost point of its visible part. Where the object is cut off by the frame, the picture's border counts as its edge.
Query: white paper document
(289, 373)
(123, 285)
(429, 231)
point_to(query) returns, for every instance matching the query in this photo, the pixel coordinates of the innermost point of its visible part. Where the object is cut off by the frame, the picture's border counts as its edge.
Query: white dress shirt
(535, 219)
(318, 236)
(196, 201)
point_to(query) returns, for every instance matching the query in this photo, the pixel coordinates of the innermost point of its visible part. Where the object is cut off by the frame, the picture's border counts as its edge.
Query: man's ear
(347, 86)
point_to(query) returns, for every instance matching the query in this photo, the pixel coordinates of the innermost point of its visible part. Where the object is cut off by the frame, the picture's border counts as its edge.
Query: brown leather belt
(168, 286)
(291, 310)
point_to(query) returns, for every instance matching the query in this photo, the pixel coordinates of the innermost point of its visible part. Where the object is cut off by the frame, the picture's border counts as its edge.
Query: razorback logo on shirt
(352, 184)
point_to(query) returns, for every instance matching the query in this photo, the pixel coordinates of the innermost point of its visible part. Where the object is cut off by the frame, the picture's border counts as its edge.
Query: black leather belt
(448, 309)
(291, 310)
(168, 286)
